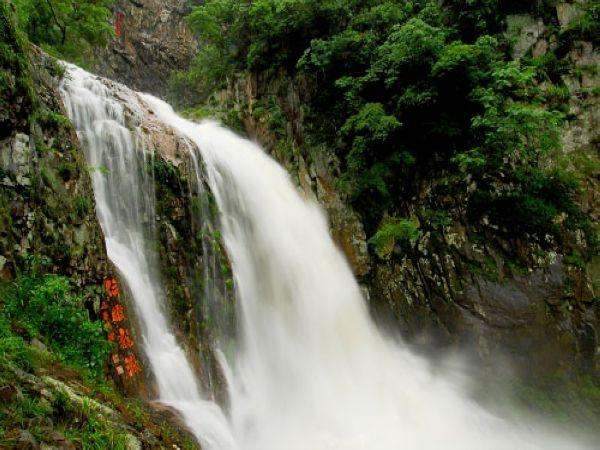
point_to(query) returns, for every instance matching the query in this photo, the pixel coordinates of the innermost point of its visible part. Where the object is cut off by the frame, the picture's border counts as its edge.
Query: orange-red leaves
(124, 339)
(132, 365)
(117, 313)
(112, 289)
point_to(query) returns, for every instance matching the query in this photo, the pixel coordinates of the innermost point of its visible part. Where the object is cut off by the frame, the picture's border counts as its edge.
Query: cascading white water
(124, 195)
(312, 372)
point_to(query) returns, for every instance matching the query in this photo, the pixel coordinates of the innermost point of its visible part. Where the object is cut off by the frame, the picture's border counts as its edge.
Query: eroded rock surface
(153, 40)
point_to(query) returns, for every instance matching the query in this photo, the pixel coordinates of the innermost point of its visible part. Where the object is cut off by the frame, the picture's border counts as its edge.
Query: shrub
(408, 92)
(46, 307)
(63, 28)
(404, 231)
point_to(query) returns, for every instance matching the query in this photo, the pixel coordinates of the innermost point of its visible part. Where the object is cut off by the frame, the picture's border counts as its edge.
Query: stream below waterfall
(311, 371)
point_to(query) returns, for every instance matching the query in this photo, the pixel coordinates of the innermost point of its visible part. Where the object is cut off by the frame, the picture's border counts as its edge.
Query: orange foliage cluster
(131, 365)
(117, 313)
(125, 341)
(112, 289)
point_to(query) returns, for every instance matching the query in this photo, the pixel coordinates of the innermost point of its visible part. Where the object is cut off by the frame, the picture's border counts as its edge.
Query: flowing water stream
(124, 194)
(311, 371)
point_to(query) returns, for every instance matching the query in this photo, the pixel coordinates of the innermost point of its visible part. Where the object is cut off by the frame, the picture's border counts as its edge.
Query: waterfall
(310, 371)
(124, 194)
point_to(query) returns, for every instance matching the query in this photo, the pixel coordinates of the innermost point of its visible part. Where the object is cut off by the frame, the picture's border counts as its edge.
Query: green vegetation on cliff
(17, 96)
(56, 389)
(65, 28)
(406, 91)
(46, 308)
(53, 387)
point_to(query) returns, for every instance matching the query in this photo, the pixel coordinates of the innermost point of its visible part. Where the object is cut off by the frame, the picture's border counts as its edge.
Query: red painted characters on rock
(112, 289)
(124, 359)
(119, 24)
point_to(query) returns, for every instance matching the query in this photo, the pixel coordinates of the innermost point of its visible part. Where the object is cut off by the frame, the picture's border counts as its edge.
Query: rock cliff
(152, 39)
(457, 288)
(48, 225)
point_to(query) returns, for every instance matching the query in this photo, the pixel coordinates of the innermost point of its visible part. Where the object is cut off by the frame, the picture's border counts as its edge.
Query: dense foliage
(38, 309)
(65, 28)
(47, 308)
(408, 91)
(17, 99)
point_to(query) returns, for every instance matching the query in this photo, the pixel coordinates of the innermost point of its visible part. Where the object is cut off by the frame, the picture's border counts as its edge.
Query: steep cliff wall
(48, 206)
(152, 40)
(457, 286)
(48, 209)
(48, 226)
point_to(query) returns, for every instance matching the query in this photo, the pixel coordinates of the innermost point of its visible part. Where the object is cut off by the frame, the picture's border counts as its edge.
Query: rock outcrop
(152, 39)
(45, 191)
(48, 225)
(184, 242)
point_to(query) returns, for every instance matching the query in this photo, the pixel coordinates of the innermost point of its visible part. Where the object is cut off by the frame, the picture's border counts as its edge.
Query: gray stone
(26, 441)
(15, 158)
(526, 30)
(9, 393)
(36, 343)
(567, 13)
(155, 41)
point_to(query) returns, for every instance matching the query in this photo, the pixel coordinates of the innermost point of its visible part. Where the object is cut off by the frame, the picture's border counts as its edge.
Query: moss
(164, 171)
(516, 267)
(575, 259)
(51, 118)
(486, 269)
(402, 231)
(68, 170)
(50, 178)
(83, 207)
(18, 101)
(44, 410)
(269, 112)
(198, 113)
(234, 120)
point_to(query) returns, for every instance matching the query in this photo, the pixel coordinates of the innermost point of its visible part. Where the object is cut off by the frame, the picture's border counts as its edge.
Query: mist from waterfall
(311, 371)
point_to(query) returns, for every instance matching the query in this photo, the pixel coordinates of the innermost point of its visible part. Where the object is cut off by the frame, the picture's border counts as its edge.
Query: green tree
(409, 91)
(65, 28)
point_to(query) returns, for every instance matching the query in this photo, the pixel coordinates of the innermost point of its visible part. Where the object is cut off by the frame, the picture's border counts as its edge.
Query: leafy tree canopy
(411, 90)
(65, 28)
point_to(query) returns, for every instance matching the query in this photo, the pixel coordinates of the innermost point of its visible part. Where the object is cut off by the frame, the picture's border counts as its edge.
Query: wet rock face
(531, 317)
(47, 205)
(315, 171)
(182, 240)
(187, 244)
(152, 40)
